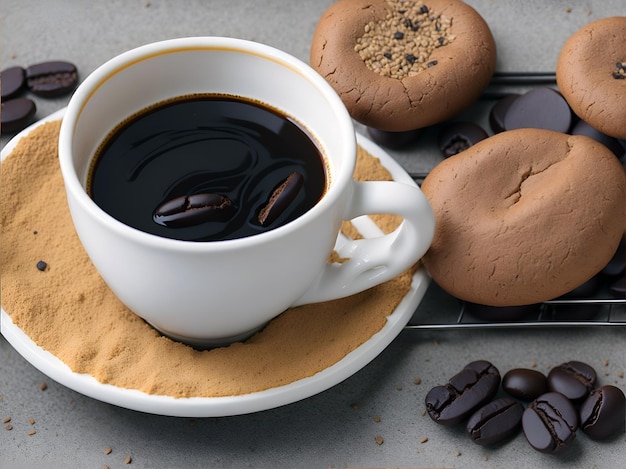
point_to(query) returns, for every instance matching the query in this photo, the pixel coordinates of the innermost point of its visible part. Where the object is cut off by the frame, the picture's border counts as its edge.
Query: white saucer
(229, 405)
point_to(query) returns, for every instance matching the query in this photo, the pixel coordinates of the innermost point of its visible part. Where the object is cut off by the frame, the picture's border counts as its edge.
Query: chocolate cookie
(591, 74)
(524, 216)
(401, 65)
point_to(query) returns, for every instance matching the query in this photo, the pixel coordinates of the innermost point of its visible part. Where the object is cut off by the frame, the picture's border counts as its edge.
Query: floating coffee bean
(603, 414)
(550, 423)
(495, 421)
(465, 392)
(501, 313)
(573, 379)
(393, 140)
(280, 199)
(459, 136)
(13, 80)
(51, 79)
(498, 111)
(539, 108)
(525, 384)
(582, 128)
(16, 114)
(193, 209)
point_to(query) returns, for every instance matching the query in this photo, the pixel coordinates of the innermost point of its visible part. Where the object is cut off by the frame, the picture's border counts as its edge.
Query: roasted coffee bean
(393, 140)
(550, 423)
(188, 210)
(525, 384)
(539, 108)
(465, 392)
(459, 136)
(603, 414)
(495, 421)
(13, 80)
(501, 313)
(498, 111)
(280, 199)
(582, 128)
(16, 114)
(573, 379)
(49, 79)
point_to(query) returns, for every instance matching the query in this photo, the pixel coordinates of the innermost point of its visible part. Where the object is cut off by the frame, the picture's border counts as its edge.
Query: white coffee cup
(212, 293)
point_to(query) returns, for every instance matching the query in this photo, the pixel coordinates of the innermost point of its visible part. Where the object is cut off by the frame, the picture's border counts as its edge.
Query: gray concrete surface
(338, 427)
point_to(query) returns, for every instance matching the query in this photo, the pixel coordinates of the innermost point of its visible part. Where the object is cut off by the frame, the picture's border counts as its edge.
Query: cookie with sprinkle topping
(402, 64)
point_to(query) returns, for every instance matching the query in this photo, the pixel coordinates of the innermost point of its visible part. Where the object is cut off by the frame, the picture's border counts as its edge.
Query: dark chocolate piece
(50, 79)
(459, 136)
(13, 80)
(539, 108)
(464, 393)
(573, 379)
(496, 421)
(393, 140)
(603, 414)
(582, 128)
(550, 423)
(17, 114)
(498, 111)
(525, 384)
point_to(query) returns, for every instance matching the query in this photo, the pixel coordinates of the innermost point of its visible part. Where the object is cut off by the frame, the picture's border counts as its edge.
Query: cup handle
(373, 261)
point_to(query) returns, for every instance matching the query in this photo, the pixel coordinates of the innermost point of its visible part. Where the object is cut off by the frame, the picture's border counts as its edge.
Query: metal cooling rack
(555, 313)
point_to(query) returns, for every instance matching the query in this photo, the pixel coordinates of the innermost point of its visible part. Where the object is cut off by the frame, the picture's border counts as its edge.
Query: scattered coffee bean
(540, 108)
(498, 111)
(13, 80)
(459, 136)
(49, 79)
(603, 414)
(16, 114)
(582, 128)
(495, 421)
(393, 140)
(573, 379)
(465, 392)
(524, 383)
(280, 199)
(188, 210)
(42, 265)
(550, 423)
(501, 313)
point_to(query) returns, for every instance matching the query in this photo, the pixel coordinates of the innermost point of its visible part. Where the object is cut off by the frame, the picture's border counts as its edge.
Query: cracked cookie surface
(524, 216)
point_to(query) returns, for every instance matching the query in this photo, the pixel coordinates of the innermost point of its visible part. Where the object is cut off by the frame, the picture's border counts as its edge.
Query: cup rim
(104, 72)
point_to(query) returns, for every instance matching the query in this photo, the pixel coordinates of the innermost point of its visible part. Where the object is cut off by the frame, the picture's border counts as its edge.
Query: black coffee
(206, 168)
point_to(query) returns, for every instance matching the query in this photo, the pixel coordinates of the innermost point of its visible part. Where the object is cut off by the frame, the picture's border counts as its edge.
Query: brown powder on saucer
(68, 310)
